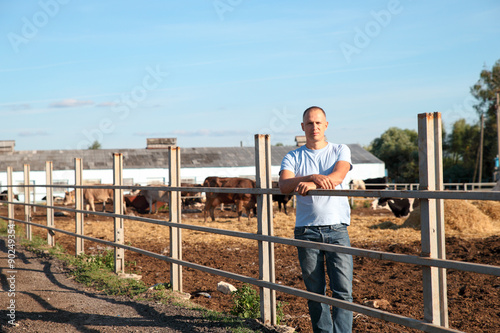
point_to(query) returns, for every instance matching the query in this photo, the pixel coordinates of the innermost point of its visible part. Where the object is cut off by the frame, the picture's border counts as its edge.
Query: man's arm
(289, 183)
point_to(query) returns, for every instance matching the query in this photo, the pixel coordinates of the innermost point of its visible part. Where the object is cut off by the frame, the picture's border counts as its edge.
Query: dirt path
(45, 300)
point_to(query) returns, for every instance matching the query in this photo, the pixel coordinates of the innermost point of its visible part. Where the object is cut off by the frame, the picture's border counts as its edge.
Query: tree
(485, 91)
(398, 148)
(460, 152)
(95, 145)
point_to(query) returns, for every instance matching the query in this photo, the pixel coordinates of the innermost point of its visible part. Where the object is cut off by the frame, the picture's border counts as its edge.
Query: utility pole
(497, 169)
(481, 151)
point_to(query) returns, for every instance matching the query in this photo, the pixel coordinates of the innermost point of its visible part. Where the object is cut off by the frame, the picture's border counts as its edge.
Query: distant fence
(446, 186)
(431, 193)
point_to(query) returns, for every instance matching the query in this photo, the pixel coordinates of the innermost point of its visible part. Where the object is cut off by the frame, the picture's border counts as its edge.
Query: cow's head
(69, 198)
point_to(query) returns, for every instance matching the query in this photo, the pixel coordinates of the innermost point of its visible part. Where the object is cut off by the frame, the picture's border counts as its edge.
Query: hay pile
(464, 218)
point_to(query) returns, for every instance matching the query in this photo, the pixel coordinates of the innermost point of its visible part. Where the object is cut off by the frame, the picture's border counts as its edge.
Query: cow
(357, 184)
(400, 207)
(90, 197)
(281, 199)
(4, 196)
(54, 198)
(376, 183)
(69, 198)
(190, 198)
(242, 200)
(154, 196)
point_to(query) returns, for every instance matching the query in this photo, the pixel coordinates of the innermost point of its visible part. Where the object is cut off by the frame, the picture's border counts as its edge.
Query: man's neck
(316, 145)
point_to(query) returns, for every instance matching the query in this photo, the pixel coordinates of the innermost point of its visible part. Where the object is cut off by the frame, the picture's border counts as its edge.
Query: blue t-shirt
(319, 210)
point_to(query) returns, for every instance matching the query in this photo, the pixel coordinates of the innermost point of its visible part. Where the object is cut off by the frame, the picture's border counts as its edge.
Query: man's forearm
(289, 185)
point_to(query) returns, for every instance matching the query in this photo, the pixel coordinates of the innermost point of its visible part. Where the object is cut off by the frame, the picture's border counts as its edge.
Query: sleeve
(345, 154)
(288, 163)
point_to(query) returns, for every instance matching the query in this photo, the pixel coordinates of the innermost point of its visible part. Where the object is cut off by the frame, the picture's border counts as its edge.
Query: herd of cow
(148, 200)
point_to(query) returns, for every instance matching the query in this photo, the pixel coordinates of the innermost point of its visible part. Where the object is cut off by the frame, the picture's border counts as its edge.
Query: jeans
(339, 269)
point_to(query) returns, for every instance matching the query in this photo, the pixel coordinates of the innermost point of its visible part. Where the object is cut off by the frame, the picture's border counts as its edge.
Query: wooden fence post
(79, 249)
(440, 223)
(49, 202)
(118, 209)
(265, 227)
(27, 209)
(428, 220)
(10, 195)
(175, 217)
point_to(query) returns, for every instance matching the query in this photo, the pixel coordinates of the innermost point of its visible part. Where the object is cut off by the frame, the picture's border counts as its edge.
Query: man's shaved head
(313, 108)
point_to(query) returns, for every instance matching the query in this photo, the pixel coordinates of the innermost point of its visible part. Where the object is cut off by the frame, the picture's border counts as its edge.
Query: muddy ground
(473, 299)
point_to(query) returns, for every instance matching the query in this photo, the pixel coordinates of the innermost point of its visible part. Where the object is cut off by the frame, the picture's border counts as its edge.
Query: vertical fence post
(27, 208)
(49, 202)
(10, 195)
(441, 246)
(175, 217)
(265, 227)
(118, 209)
(428, 216)
(79, 249)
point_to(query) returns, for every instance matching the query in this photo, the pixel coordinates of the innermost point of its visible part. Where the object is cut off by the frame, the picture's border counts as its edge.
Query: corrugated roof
(155, 158)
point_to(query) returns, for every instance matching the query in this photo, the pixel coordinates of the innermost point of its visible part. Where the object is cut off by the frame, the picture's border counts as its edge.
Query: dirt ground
(473, 299)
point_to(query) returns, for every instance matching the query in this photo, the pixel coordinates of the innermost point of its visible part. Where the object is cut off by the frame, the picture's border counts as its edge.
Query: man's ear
(302, 125)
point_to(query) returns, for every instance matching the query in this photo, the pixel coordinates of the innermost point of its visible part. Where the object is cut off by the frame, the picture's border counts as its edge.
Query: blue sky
(216, 72)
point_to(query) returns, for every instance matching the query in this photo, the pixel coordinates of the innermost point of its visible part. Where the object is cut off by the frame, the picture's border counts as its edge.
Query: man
(321, 165)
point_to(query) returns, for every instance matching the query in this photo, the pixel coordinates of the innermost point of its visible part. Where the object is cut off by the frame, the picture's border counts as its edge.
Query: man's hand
(304, 187)
(324, 182)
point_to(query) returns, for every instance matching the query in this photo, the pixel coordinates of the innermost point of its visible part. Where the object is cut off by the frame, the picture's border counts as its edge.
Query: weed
(4, 226)
(163, 286)
(246, 302)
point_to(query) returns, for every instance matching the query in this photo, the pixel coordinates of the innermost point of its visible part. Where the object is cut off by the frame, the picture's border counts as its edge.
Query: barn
(150, 165)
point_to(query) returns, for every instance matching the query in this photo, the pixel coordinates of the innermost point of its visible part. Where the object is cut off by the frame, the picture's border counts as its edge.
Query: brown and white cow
(242, 200)
(154, 196)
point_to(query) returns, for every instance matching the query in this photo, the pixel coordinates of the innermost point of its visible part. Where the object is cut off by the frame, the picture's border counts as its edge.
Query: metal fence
(431, 194)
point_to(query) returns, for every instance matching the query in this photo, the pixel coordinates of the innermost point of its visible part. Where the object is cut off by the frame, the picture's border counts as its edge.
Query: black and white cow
(400, 207)
(4, 196)
(375, 183)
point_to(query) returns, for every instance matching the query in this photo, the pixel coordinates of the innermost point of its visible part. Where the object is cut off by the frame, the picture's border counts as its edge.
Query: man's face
(314, 125)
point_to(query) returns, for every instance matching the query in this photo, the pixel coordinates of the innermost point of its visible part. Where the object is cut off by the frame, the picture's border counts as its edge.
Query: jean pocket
(300, 231)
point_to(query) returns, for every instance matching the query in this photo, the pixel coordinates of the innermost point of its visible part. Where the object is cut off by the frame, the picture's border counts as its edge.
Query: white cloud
(70, 103)
(107, 104)
(196, 133)
(18, 107)
(33, 133)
